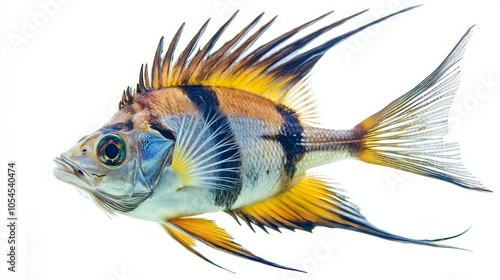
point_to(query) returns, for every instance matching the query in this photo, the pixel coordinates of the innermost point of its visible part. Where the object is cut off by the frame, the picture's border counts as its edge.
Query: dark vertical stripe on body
(207, 103)
(290, 139)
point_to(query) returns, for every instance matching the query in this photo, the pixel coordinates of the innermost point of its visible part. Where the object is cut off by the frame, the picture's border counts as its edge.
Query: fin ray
(270, 70)
(186, 230)
(166, 68)
(195, 63)
(198, 149)
(188, 243)
(316, 202)
(408, 134)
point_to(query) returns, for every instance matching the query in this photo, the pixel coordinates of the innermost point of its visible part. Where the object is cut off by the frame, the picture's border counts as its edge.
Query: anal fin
(315, 202)
(188, 230)
(312, 202)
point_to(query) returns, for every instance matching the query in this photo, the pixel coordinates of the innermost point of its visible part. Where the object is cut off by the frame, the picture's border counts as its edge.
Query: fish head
(117, 168)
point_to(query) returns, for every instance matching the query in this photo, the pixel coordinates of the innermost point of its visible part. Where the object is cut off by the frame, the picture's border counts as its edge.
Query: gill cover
(154, 152)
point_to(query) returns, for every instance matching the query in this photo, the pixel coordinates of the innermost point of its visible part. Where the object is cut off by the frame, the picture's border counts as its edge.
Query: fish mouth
(69, 172)
(86, 183)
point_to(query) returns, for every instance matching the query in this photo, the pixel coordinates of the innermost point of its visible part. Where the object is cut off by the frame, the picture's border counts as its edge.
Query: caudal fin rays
(408, 134)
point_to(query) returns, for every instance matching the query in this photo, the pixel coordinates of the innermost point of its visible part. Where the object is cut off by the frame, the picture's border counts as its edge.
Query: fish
(236, 130)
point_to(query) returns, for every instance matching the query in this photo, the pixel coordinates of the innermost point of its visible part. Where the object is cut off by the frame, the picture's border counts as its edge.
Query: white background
(63, 78)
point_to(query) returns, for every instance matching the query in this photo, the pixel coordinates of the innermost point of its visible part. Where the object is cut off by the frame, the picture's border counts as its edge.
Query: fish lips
(69, 172)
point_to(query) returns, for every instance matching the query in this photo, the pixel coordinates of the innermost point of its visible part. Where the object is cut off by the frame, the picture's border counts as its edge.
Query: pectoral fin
(206, 154)
(188, 230)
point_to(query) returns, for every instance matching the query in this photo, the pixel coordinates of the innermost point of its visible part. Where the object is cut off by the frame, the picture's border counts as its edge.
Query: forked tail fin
(408, 133)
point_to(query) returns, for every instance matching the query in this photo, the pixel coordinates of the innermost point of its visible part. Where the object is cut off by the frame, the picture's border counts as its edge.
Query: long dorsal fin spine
(254, 56)
(140, 86)
(183, 58)
(201, 54)
(156, 73)
(268, 70)
(224, 64)
(304, 62)
(300, 43)
(147, 83)
(166, 66)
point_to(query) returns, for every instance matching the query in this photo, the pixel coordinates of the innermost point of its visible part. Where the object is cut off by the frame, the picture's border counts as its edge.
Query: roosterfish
(236, 130)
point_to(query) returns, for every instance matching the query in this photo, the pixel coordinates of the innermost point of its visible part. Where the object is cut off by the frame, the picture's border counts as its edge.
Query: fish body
(229, 131)
(272, 147)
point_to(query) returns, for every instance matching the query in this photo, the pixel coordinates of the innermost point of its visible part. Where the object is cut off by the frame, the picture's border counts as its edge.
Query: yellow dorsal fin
(314, 202)
(276, 70)
(187, 230)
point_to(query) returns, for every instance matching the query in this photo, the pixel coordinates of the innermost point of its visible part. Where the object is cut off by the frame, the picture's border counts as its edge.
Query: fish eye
(111, 150)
